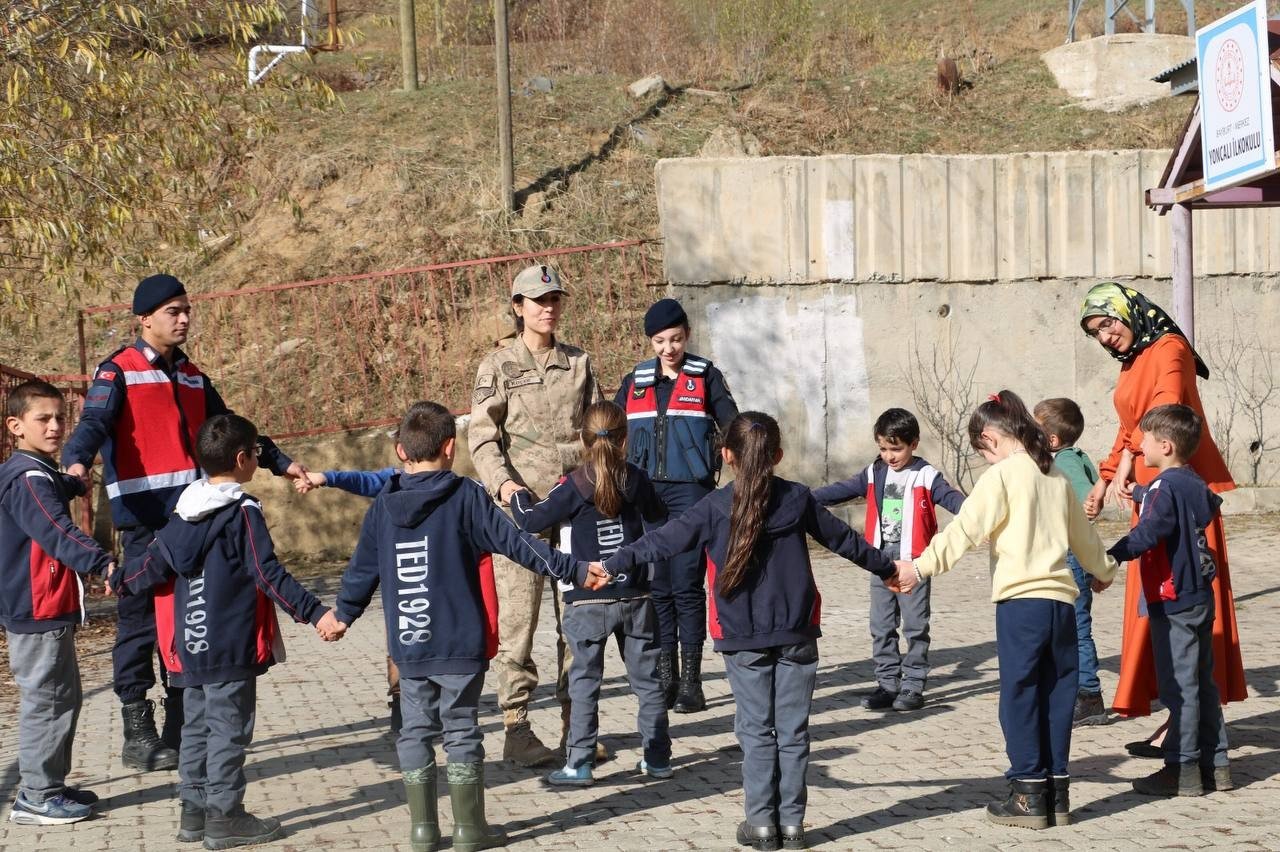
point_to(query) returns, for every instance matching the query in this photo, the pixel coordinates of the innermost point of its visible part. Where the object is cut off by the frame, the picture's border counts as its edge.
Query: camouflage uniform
(524, 427)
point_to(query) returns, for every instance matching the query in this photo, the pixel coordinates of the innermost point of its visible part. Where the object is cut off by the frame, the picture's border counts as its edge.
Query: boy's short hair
(1178, 424)
(898, 424)
(424, 429)
(1061, 418)
(20, 397)
(221, 439)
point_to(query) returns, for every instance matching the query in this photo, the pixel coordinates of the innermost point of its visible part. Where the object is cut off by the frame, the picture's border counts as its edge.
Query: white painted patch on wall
(799, 359)
(837, 240)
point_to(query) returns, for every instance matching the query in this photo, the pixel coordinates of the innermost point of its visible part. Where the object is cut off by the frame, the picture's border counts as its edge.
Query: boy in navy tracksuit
(901, 492)
(767, 622)
(607, 503)
(427, 540)
(215, 577)
(1177, 571)
(42, 554)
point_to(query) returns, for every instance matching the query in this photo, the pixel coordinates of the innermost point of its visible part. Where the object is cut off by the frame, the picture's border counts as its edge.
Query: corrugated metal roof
(1167, 74)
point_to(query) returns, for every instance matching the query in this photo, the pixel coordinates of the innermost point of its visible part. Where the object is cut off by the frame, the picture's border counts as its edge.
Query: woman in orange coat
(1159, 367)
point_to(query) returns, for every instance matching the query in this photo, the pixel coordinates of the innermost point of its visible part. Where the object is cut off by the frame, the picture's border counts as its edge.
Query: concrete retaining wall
(818, 283)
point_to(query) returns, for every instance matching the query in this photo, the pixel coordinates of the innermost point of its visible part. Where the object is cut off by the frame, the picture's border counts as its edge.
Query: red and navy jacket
(592, 536)
(1174, 561)
(672, 423)
(427, 540)
(143, 413)
(217, 583)
(928, 489)
(41, 549)
(778, 602)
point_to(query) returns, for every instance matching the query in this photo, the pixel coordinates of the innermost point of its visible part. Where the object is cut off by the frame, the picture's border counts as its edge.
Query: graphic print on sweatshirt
(413, 622)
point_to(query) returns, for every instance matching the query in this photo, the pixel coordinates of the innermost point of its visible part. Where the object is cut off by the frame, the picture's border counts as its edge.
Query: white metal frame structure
(278, 52)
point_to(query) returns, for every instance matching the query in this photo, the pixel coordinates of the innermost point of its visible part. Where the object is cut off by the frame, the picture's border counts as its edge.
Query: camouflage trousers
(519, 601)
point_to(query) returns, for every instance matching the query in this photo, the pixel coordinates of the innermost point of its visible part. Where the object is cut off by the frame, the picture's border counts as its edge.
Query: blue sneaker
(645, 768)
(570, 777)
(55, 810)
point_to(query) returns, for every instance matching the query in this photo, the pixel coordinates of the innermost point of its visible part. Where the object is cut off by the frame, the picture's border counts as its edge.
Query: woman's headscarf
(1145, 319)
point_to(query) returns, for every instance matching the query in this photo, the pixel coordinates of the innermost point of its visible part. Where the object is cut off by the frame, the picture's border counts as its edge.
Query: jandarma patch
(511, 369)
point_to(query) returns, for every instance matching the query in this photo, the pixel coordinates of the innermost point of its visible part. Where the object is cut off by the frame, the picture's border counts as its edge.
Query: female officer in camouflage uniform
(526, 409)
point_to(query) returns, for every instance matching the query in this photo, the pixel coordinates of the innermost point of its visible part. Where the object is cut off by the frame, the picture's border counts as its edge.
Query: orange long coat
(1165, 373)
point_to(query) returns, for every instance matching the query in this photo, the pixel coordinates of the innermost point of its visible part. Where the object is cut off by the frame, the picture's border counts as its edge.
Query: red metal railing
(73, 390)
(353, 351)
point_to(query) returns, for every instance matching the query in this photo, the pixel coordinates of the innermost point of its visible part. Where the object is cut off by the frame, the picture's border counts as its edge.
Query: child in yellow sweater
(1028, 510)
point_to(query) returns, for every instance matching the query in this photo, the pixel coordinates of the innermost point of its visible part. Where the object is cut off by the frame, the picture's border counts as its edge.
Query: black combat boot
(690, 698)
(238, 828)
(668, 675)
(143, 748)
(1026, 807)
(171, 731)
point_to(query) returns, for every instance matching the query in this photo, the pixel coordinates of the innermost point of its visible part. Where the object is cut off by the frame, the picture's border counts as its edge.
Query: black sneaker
(908, 700)
(1090, 710)
(880, 699)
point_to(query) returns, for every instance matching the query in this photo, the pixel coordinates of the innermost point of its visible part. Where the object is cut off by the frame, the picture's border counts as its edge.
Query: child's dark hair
(21, 397)
(1178, 424)
(1006, 413)
(1061, 418)
(221, 439)
(604, 434)
(424, 429)
(898, 424)
(754, 440)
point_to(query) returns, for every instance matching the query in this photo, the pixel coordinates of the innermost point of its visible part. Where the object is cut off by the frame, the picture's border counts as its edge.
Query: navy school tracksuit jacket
(42, 551)
(592, 536)
(217, 583)
(1175, 563)
(427, 540)
(778, 603)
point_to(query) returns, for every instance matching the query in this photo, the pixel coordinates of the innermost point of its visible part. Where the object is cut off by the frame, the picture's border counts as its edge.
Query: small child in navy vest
(427, 541)
(901, 491)
(215, 575)
(607, 502)
(1177, 570)
(764, 614)
(42, 556)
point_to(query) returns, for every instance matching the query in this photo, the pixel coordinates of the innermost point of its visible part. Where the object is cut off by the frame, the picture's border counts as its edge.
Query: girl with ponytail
(763, 612)
(1029, 511)
(607, 503)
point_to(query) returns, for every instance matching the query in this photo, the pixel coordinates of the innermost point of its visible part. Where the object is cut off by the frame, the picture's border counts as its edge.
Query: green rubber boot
(471, 832)
(420, 789)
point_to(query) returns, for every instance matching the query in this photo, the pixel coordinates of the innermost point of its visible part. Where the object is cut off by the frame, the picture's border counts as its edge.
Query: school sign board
(1233, 62)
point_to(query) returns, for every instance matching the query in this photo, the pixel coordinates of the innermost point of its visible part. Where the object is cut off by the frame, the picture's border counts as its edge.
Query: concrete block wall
(922, 217)
(818, 283)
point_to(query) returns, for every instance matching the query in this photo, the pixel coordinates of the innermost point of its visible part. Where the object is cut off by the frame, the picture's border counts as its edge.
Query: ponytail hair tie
(602, 433)
(755, 426)
(995, 397)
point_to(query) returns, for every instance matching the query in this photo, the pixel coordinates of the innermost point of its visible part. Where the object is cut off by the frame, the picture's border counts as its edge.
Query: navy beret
(153, 291)
(664, 314)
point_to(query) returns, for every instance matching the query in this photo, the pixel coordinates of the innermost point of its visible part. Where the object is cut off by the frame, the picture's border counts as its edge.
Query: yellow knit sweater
(1032, 519)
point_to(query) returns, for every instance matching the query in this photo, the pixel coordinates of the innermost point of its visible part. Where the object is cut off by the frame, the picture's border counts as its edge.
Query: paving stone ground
(323, 763)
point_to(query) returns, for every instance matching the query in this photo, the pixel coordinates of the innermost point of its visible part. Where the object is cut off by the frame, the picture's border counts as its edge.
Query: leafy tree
(119, 124)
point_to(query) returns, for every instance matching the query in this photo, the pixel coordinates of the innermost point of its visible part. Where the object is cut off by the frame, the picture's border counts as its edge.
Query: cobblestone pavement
(323, 763)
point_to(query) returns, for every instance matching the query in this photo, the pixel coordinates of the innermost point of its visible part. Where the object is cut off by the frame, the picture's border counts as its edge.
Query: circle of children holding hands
(627, 491)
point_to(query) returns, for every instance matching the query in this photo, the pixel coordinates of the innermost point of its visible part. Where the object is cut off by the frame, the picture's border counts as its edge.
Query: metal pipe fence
(354, 351)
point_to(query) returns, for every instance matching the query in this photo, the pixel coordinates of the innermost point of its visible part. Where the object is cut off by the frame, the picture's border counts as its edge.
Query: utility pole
(408, 47)
(502, 48)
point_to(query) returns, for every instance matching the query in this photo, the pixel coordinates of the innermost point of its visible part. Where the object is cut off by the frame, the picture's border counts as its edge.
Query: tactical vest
(155, 434)
(673, 445)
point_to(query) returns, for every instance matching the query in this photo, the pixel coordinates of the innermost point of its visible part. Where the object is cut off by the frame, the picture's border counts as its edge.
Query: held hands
(330, 628)
(309, 481)
(1093, 502)
(905, 580)
(597, 577)
(106, 578)
(295, 471)
(80, 472)
(1098, 586)
(508, 488)
(1120, 493)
